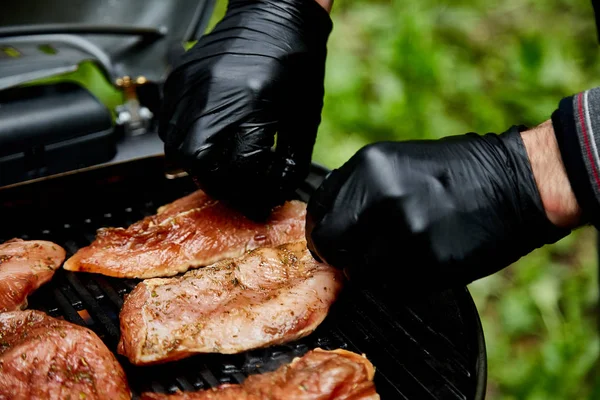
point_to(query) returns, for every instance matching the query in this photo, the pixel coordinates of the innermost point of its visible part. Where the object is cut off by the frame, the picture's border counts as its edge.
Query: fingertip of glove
(315, 255)
(323, 196)
(310, 225)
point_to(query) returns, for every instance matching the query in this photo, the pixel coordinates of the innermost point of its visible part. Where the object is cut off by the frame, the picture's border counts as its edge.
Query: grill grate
(432, 349)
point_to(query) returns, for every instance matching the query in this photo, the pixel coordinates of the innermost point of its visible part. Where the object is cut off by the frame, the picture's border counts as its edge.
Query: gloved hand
(258, 73)
(429, 215)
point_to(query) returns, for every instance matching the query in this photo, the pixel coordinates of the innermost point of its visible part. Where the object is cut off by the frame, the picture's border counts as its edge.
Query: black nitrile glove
(259, 73)
(430, 214)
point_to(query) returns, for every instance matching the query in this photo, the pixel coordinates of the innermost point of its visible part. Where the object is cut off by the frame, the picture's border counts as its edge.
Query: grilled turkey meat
(25, 265)
(318, 375)
(192, 231)
(42, 357)
(268, 296)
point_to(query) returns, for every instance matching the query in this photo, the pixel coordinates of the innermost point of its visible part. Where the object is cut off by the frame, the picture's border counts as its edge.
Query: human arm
(556, 193)
(446, 212)
(259, 73)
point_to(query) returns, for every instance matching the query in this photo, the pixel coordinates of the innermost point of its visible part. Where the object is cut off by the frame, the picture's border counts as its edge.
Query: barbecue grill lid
(126, 38)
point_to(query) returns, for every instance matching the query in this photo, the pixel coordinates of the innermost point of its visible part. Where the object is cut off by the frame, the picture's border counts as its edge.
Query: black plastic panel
(51, 129)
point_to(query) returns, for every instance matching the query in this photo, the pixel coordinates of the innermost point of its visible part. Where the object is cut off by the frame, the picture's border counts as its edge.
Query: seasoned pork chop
(191, 232)
(318, 375)
(24, 267)
(46, 358)
(268, 296)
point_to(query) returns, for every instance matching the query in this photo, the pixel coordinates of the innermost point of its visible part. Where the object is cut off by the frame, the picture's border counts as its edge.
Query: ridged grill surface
(428, 350)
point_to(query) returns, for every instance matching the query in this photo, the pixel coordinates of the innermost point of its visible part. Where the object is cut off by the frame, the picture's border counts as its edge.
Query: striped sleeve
(576, 125)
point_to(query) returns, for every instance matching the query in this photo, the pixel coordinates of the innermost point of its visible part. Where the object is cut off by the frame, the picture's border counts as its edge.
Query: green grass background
(409, 69)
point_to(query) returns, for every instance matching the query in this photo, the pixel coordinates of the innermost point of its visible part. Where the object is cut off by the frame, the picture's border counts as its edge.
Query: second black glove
(429, 215)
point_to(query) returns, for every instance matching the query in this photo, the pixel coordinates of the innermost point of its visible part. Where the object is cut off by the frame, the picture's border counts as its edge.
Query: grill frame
(438, 347)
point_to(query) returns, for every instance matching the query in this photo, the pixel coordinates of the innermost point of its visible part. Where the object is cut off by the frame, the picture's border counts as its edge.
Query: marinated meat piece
(46, 358)
(318, 375)
(192, 231)
(268, 296)
(24, 267)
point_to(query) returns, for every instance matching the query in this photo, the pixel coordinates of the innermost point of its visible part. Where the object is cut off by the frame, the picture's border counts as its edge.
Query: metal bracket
(131, 115)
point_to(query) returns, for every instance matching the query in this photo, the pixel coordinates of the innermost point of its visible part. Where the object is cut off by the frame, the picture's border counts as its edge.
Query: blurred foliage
(424, 69)
(411, 69)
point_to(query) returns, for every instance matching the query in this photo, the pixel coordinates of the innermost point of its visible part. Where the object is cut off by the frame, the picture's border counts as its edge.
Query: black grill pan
(428, 349)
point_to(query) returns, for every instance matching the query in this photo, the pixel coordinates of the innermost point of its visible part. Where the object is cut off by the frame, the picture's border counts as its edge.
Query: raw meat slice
(25, 265)
(42, 357)
(318, 375)
(192, 231)
(268, 296)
